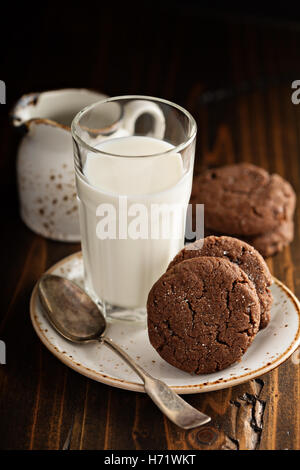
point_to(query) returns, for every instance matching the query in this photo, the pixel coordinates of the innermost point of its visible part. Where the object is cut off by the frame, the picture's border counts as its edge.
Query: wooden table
(251, 118)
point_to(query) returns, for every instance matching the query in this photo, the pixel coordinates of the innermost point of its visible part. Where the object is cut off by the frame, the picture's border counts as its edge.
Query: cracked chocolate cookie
(203, 314)
(242, 254)
(270, 243)
(243, 199)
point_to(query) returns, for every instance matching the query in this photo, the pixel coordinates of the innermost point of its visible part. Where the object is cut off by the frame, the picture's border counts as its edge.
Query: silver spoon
(77, 318)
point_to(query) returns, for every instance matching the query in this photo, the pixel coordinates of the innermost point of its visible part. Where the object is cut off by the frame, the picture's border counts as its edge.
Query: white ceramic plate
(271, 347)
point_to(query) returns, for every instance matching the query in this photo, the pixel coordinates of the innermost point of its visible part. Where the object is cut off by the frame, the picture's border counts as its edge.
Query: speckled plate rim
(184, 389)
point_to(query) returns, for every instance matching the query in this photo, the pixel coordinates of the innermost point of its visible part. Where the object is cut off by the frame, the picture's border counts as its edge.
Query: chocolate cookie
(242, 254)
(203, 314)
(270, 243)
(243, 199)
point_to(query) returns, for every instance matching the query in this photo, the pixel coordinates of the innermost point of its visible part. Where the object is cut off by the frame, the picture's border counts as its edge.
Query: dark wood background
(233, 72)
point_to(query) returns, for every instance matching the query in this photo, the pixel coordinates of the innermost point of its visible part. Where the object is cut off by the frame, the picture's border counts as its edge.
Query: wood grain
(237, 84)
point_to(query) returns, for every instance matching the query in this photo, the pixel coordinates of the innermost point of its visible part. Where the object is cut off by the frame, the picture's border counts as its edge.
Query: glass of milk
(134, 158)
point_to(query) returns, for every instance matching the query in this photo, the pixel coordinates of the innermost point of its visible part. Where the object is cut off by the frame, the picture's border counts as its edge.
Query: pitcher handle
(135, 109)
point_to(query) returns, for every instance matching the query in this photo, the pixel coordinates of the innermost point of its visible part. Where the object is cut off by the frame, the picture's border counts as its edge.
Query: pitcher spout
(55, 108)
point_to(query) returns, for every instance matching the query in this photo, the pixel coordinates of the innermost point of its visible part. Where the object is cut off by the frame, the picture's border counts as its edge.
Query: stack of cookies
(205, 311)
(245, 201)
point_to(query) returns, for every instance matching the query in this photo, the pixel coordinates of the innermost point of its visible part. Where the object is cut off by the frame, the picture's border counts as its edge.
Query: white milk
(122, 271)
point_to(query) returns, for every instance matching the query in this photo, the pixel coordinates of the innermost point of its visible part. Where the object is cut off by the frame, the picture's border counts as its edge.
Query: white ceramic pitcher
(45, 169)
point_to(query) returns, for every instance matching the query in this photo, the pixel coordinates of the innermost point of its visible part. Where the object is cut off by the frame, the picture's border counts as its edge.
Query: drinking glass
(134, 158)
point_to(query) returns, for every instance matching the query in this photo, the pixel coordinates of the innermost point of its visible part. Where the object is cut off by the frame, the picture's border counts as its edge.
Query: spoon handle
(173, 406)
(139, 370)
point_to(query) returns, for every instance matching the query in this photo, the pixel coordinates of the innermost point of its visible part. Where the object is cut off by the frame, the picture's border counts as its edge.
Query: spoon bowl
(70, 310)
